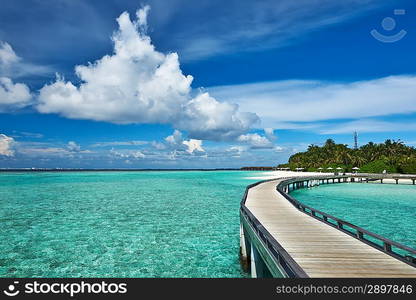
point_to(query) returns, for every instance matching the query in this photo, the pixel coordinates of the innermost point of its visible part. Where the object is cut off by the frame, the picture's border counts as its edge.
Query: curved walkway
(319, 249)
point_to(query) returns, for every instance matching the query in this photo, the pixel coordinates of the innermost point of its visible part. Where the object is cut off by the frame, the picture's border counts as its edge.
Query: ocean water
(386, 209)
(121, 224)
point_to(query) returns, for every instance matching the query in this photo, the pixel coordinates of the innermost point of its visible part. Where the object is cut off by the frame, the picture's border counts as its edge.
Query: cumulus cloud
(158, 145)
(193, 145)
(269, 132)
(127, 154)
(7, 55)
(279, 149)
(175, 139)
(291, 103)
(137, 154)
(236, 151)
(137, 84)
(177, 143)
(73, 147)
(12, 95)
(206, 118)
(6, 145)
(255, 141)
(142, 17)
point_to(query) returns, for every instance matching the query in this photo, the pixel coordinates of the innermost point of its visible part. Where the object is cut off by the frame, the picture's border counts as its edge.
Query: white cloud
(31, 134)
(13, 95)
(73, 147)
(281, 104)
(138, 154)
(183, 153)
(7, 55)
(158, 145)
(137, 84)
(255, 141)
(206, 118)
(270, 134)
(44, 151)
(174, 139)
(194, 145)
(235, 151)
(177, 143)
(120, 143)
(141, 15)
(127, 154)
(12, 66)
(51, 150)
(6, 145)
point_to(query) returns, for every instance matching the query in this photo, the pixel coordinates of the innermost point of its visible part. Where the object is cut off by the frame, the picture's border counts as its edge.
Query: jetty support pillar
(245, 248)
(258, 267)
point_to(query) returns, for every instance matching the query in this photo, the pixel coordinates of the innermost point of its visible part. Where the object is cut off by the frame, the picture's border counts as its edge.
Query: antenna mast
(355, 140)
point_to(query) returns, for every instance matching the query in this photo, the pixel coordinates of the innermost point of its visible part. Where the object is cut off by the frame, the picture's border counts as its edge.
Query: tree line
(391, 156)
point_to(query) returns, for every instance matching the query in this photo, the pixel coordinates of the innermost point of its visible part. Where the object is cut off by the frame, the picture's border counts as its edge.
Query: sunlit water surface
(386, 209)
(121, 224)
(159, 224)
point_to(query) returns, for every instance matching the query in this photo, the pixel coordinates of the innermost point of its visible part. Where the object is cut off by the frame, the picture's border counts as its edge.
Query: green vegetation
(392, 156)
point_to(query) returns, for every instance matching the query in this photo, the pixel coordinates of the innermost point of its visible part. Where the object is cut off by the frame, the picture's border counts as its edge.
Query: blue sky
(157, 84)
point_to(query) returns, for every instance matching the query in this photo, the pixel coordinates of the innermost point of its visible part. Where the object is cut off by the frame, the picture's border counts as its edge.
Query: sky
(221, 84)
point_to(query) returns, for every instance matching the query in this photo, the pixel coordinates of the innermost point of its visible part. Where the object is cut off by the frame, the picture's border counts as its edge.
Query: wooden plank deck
(319, 249)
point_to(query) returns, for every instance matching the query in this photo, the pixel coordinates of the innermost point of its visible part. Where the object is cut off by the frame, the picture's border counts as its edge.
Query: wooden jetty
(281, 237)
(381, 177)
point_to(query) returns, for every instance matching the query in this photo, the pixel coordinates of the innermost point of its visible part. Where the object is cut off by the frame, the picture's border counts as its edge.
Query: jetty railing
(278, 253)
(405, 253)
(374, 177)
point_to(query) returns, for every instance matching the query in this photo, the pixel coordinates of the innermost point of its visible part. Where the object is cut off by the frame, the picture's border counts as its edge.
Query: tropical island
(391, 156)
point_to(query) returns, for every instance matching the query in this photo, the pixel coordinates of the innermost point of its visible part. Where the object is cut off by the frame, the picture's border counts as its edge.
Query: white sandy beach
(279, 174)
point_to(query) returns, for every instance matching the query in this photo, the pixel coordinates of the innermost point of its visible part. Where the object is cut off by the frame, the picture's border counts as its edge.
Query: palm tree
(393, 153)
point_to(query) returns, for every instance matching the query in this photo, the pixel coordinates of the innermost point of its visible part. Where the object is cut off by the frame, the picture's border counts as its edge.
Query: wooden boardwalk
(319, 249)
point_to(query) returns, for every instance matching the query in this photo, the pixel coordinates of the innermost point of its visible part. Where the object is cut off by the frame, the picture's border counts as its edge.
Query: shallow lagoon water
(159, 224)
(386, 209)
(121, 224)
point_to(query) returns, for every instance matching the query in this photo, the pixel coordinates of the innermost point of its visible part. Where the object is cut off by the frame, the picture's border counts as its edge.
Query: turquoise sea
(386, 209)
(121, 224)
(159, 224)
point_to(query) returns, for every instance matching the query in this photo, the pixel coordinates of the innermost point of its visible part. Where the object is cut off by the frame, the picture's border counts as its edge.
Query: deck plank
(319, 249)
